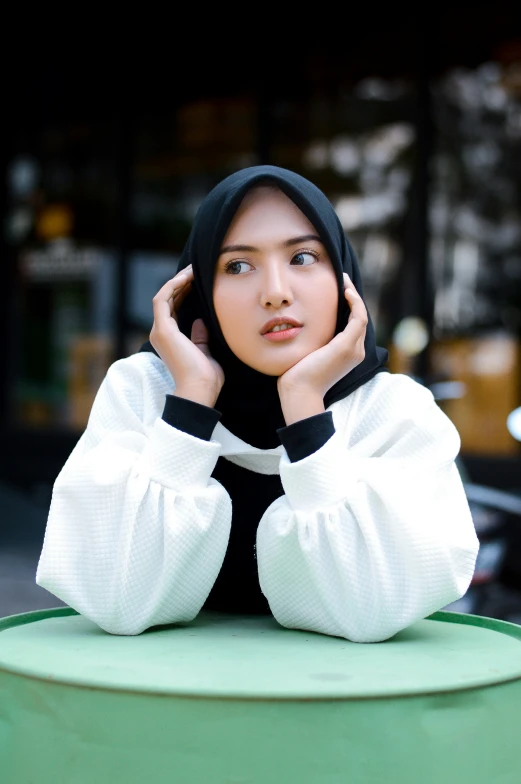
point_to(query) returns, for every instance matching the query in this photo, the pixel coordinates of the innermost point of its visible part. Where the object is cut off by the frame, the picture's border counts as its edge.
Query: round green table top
(239, 657)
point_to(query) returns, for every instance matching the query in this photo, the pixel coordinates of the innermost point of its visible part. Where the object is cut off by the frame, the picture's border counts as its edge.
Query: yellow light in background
(54, 221)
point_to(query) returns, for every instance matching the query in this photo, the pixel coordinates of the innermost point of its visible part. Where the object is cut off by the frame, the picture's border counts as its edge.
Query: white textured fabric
(373, 531)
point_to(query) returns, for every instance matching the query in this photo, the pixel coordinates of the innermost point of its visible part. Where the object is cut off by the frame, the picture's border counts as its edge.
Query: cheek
(230, 311)
(221, 304)
(325, 308)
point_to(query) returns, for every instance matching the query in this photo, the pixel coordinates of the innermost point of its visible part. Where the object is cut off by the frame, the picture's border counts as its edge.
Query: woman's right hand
(197, 375)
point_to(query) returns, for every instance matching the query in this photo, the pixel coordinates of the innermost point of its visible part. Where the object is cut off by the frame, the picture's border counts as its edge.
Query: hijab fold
(249, 401)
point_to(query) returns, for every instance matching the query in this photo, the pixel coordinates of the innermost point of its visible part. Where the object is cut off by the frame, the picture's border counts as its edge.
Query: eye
(237, 267)
(304, 258)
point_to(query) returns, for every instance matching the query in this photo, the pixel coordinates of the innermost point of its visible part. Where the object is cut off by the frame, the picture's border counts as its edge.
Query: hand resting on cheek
(302, 387)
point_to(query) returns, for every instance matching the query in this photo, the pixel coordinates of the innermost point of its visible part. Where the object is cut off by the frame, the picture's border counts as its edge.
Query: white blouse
(373, 531)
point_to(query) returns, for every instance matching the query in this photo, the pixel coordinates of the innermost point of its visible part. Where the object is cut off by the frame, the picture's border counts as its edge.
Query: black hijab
(249, 401)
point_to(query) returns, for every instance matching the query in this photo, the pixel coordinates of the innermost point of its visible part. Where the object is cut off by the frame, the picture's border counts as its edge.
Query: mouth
(280, 324)
(280, 329)
(283, 334)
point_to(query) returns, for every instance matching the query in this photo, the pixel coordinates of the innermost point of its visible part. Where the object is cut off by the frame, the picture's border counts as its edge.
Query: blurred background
(412, 127)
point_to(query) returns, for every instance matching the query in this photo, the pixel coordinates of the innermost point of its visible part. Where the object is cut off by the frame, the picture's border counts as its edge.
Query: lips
(289, 322)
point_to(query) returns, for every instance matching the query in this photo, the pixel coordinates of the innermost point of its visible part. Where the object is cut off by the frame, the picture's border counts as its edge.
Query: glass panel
(60, 229)
(476, 251)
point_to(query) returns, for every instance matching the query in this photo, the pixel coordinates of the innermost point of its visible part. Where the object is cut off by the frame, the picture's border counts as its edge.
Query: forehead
(266, 210)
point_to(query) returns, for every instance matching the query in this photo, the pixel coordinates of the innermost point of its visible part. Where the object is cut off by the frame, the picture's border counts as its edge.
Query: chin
(278, 367)
(274, 372)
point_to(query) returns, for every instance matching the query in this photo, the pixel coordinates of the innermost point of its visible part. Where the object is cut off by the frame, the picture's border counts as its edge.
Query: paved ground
(22, 525)
(18, 590)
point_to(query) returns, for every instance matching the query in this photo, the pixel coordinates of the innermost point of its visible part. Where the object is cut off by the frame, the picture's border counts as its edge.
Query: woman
(256, 456)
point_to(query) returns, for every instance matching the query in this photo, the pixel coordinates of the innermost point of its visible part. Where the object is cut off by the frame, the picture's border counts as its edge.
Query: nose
(276, 287)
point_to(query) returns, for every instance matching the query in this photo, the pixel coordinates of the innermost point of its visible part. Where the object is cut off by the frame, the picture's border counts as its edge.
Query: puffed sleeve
(137, 528)
(373, 531)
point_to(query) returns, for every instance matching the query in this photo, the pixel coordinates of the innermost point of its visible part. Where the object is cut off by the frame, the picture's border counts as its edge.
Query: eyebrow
(287, 244)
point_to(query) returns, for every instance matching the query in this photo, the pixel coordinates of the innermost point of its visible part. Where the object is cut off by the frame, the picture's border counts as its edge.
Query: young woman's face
(273, 266)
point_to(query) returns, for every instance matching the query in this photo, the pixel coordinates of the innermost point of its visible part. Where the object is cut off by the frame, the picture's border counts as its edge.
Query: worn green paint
(243, 701)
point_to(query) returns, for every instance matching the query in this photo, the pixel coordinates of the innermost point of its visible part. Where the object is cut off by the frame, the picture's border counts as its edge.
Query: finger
(178, 286)
(171, 294)
(181, 286)
(356, 328)
(168, 308)
(175, 283)
(199, 336)
(356, 305)
(179, 282)
(347, 281)
(179, 296)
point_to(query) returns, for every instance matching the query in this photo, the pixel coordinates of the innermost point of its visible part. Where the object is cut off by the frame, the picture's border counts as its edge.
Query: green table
(241, 700)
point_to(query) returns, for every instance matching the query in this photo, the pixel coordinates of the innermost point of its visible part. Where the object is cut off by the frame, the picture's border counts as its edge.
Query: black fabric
(307, 436)
(249, 401)
(190, 417)
(237, 589)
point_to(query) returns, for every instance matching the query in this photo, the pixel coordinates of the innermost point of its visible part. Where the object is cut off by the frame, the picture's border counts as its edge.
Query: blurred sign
(60, 260)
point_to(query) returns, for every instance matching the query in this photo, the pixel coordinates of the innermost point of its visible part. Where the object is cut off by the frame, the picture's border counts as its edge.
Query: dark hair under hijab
(249, 401)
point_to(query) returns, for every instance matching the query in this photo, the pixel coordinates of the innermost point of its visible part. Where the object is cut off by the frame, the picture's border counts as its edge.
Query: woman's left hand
(302, 387)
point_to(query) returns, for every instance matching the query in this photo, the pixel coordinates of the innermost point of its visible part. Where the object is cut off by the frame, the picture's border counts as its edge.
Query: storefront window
(359, 142)
(475, 255)
(60, 230)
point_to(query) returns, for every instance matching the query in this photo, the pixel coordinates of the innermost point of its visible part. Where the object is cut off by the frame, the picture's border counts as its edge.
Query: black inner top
(237, 589)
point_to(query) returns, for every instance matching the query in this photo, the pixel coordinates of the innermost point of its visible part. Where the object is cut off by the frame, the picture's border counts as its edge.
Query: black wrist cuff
(306, 436)
(192, 418)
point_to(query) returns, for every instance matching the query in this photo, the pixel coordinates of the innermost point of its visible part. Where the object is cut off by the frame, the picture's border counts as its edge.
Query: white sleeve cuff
(178, 460)
(320, 480)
